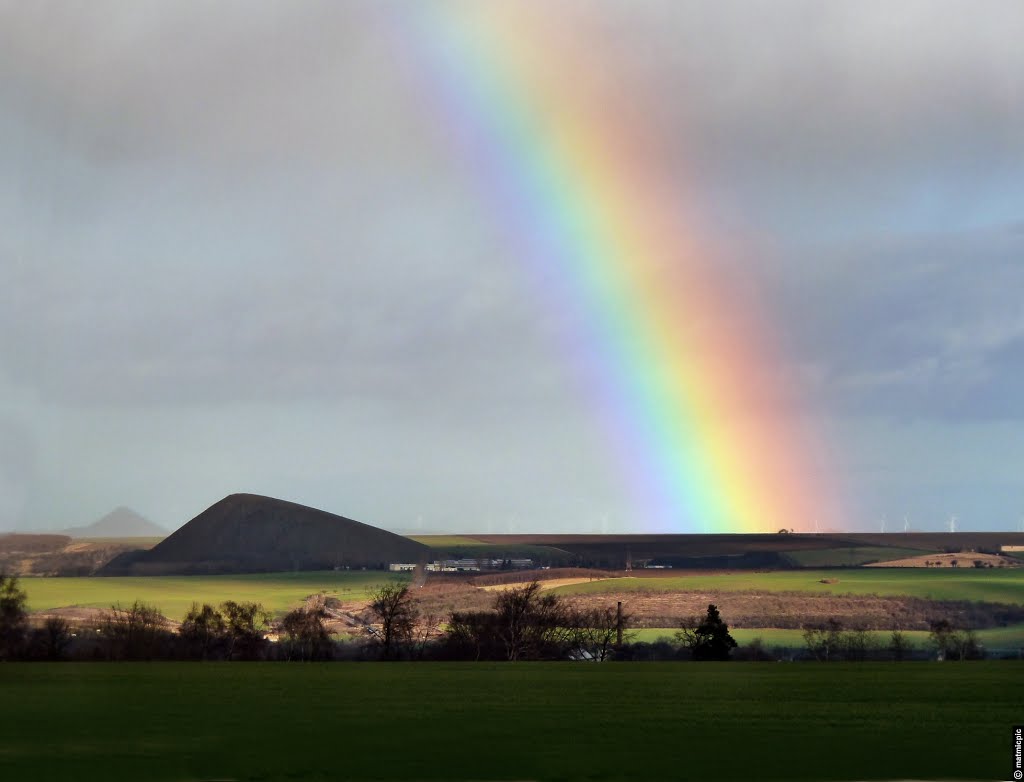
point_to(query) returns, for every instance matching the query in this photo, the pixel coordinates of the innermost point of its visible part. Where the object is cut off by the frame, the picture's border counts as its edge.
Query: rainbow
(688, 375)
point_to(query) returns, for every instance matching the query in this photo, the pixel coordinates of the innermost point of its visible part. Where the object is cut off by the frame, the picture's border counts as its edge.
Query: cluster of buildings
(468, 565)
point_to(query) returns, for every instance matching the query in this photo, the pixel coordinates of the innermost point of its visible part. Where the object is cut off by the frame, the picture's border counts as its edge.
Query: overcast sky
(236, 255)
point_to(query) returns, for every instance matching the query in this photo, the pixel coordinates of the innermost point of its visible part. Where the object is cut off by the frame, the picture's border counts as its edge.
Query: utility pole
(618, 625)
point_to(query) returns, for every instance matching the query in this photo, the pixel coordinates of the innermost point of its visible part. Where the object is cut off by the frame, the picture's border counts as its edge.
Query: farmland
(281, 591)
(846, 557)
(174, 594)
(781, 599)
(540, 721)
(1005, 639)
(995, 585)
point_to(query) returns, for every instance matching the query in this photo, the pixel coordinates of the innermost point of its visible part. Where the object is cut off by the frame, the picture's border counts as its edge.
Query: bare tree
(899, 645)
(524, 624)
(595, 631)
(824, 641)
(952, 643)
(532, 625)
(528, 623)
(427, 628)
(857, 644)
(968, 647)
(51, 640)
(471, 635)
(204, 631)
(247, 625)
(515, 620)
(393, 607)
(133, 633)
(304, 631)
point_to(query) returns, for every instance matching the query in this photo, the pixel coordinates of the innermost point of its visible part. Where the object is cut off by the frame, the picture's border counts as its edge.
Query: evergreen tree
(13, 617)
(708, 637)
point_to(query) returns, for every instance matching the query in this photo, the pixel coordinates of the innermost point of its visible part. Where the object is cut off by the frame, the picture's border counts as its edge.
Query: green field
(848, 557)
(559, 721)
(997, 638)
(173, 595)
(995, 585)
(282, 591)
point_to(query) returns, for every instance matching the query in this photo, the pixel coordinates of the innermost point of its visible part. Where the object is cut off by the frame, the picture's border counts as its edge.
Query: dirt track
(552, 583)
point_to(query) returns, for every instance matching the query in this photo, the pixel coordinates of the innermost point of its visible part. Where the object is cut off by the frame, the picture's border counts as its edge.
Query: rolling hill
(248, 533)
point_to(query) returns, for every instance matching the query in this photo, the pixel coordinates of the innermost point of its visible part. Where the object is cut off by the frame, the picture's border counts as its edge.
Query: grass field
(281, 591)
(1001, 638)
(995, 585)
(568, 721)
(173, 595)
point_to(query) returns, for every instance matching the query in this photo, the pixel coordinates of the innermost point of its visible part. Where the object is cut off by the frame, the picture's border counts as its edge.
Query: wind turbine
(883, 523)
(952, 523)
(906, 524)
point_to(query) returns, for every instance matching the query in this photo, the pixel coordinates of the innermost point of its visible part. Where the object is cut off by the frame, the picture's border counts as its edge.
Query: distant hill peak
(122, 522)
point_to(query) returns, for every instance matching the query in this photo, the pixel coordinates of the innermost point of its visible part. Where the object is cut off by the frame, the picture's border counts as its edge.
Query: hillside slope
(249, 533)
(24, 554)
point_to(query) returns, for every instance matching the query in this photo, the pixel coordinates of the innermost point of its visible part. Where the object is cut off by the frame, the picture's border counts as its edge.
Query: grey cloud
(165, 78)
(215, 217)
(17, 470)
(753, 85)
(925, 327)
(318, 331)
(809, 117)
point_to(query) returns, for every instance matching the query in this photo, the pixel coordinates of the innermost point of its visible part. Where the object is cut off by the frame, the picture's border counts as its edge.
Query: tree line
(522, 623)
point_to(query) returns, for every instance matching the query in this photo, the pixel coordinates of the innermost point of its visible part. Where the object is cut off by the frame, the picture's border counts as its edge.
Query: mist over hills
(252, 533)
(121, 522)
